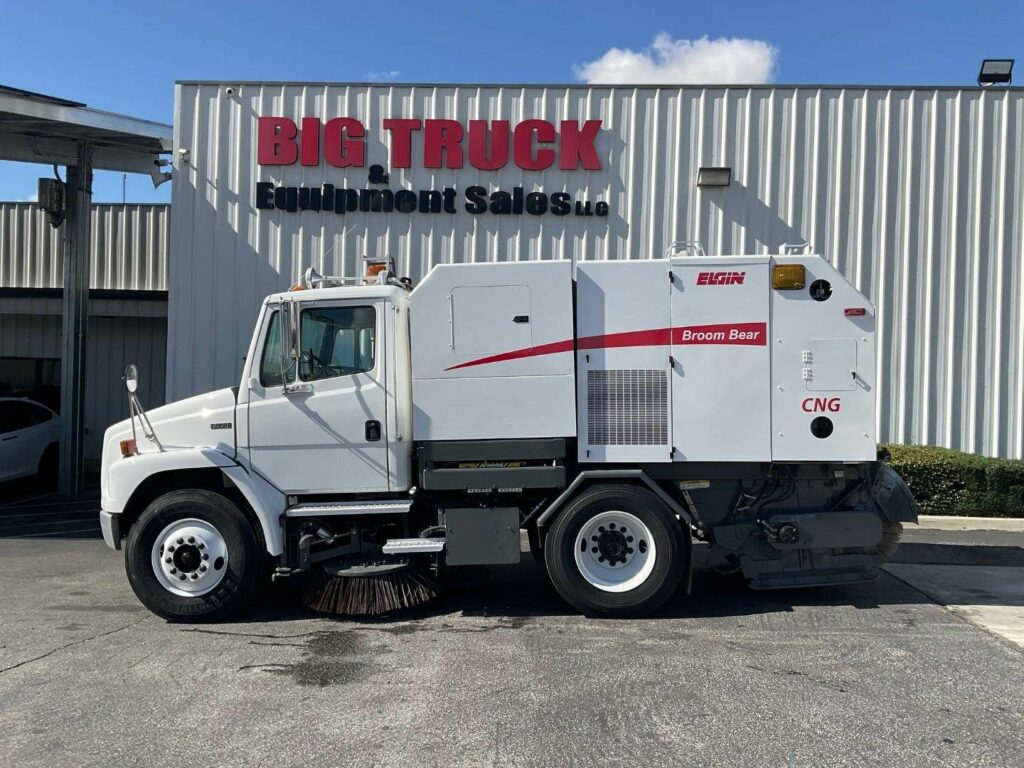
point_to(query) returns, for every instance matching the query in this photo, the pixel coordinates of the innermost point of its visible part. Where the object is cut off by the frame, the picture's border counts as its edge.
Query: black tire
(671, 546)
(243, 569)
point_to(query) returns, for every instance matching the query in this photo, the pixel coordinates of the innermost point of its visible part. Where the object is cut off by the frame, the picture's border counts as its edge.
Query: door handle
(372, 431)
(521, 319)
(5, 439)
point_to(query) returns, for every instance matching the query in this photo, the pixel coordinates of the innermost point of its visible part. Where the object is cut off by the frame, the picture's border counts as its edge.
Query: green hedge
(946, 482)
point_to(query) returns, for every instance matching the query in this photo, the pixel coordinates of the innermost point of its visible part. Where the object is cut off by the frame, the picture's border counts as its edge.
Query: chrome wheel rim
(190, 558)
(615, 551)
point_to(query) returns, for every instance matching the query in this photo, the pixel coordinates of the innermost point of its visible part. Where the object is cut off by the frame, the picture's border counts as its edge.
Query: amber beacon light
(788, 277)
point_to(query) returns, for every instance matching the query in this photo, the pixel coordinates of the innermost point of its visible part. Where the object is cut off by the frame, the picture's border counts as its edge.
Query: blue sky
(132, 52)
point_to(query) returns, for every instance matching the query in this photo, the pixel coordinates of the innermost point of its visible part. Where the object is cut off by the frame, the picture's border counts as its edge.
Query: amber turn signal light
(128, 448)
(788, 277)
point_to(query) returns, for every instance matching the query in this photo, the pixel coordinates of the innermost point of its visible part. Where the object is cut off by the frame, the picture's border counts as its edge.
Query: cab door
(325, 432)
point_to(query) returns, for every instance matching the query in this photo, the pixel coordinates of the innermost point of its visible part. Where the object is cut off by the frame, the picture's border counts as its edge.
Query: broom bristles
(371, 595)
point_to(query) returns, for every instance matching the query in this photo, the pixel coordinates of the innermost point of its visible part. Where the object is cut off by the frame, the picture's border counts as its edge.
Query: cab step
(350, 508)
(412, 546)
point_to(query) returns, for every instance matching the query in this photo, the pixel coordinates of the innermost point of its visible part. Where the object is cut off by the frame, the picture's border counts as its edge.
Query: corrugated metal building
(915, 193)
(127, 306)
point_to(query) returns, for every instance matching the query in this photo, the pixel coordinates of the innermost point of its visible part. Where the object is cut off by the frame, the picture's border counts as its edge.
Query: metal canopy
(35, 128)
(43, 129)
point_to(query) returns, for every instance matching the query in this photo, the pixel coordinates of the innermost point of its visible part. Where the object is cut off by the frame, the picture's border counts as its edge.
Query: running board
(412, 546)
(349, 508)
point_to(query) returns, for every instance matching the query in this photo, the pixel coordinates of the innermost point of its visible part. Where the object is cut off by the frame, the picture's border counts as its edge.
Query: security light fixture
(714, 177)
(995, 72)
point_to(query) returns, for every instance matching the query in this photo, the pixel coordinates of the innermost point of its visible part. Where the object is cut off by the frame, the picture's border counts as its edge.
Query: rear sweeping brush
(371, 589)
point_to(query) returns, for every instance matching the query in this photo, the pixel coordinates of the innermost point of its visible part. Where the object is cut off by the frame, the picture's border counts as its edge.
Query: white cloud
(390, 74)
(701, 61)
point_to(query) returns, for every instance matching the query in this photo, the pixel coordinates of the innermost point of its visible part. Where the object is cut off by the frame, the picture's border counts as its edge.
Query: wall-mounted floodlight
(995, 72)
(714, 177)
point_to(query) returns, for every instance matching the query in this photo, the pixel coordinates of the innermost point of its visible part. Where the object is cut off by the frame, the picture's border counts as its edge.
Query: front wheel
(616, 551)
(193, 556)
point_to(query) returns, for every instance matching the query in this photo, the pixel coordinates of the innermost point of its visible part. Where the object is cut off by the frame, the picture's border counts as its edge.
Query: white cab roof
(363, 292)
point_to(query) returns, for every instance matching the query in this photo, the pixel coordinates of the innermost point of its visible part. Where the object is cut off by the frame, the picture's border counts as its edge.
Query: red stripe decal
(517, 354)
(745, 334)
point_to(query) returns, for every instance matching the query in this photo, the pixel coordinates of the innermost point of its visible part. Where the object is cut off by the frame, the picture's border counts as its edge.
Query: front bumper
(110, 524)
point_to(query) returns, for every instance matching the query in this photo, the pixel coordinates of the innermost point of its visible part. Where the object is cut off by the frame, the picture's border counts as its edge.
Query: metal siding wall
(114, 341)
(916, 195)
(129, 247)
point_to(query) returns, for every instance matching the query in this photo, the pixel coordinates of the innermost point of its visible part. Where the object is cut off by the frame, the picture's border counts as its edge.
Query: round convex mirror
(131, 378)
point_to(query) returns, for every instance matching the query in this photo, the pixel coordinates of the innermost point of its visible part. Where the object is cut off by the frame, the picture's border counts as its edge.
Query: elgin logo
(721, 278)
(820, 405)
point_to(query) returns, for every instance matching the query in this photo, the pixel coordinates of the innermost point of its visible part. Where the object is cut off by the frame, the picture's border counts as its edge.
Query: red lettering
(343, 145)
(577, 146)
(820, 404)
(480, 156)
(720, 278)
(401, 140)
(275, 141)
(523, 140)
(442, 136)
(310, 149)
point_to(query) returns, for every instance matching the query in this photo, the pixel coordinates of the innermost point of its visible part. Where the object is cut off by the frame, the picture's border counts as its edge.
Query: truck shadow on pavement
(520, 592)
(523, 591)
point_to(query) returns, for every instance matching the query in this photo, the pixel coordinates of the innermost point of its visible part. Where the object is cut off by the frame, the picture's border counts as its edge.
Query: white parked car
(29, 435)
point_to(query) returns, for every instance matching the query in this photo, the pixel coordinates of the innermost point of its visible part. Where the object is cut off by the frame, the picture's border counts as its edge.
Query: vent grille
(627, 407)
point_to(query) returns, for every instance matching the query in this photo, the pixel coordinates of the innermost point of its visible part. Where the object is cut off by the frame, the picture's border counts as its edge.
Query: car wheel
(193, 556)
(616, 551)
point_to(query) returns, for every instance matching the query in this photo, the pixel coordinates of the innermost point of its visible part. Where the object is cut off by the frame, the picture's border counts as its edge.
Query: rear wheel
(616, 551)
(193, 556)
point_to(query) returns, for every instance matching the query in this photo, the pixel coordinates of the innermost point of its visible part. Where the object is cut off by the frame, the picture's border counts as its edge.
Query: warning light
(788, 277)
(128, 448)
(855, 311)
(374, 268)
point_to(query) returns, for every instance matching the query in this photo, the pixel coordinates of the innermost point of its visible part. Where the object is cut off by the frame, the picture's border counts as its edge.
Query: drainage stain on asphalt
(329, 658)
(339, 657)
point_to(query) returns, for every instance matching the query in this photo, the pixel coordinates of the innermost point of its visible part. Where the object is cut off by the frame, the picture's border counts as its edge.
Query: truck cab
(339, 420)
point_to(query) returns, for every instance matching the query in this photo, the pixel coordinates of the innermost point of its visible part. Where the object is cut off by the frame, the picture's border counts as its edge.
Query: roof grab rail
(685, 248)
(794, 249)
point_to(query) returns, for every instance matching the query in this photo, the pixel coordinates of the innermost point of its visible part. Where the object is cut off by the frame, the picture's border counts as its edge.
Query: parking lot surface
(498, 673)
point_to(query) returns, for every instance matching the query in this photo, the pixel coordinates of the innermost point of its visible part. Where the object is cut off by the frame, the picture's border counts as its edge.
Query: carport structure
(42, 129)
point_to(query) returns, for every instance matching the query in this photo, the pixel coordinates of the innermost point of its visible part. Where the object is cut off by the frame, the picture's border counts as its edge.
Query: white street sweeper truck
(615, 411)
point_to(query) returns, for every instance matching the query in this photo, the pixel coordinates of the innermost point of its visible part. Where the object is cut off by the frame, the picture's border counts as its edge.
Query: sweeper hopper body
(616, 411)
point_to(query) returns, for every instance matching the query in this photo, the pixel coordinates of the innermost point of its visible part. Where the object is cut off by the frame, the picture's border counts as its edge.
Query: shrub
(947, 482)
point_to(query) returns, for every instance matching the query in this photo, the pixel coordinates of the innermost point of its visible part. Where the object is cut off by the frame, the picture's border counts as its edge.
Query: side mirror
(288, 312)
(131, 378)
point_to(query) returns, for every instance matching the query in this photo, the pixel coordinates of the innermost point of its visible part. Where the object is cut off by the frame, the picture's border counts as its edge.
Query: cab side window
(337, 341)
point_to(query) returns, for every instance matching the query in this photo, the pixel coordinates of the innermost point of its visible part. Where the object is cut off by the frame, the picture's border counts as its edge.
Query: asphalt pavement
(499, 672)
